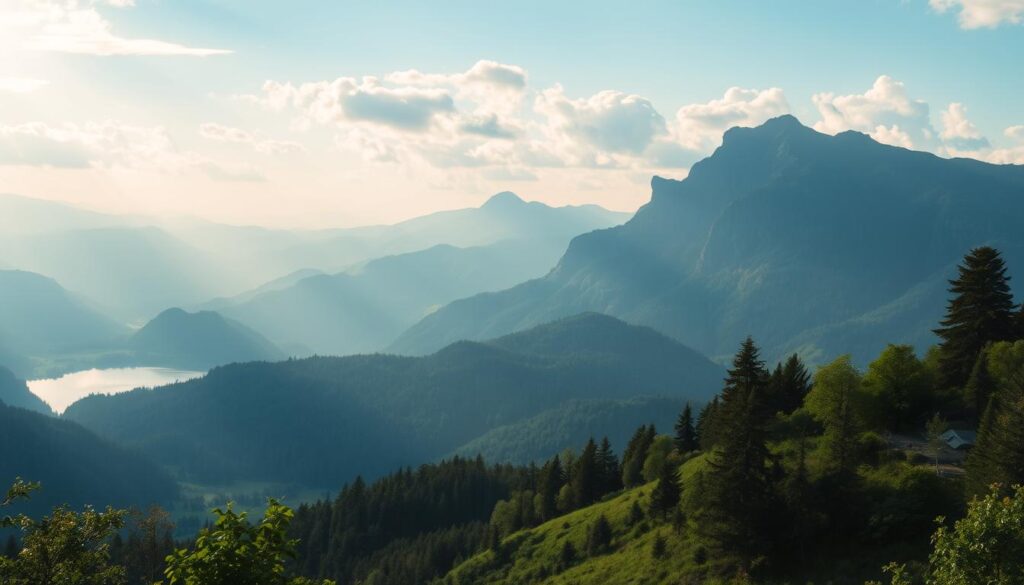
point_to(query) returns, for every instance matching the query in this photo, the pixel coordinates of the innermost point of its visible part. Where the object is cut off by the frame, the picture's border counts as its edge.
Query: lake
(61, 392)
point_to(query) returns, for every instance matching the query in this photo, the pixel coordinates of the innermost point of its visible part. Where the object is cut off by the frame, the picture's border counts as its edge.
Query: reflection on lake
(61, 392)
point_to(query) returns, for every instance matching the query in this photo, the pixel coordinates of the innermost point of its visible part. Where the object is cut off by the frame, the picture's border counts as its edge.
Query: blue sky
(310, 115)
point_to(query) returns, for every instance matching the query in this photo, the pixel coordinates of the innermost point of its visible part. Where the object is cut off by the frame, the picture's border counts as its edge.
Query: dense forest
(784, 477)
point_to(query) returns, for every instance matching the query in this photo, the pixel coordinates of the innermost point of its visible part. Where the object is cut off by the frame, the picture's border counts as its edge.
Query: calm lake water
(61, 392)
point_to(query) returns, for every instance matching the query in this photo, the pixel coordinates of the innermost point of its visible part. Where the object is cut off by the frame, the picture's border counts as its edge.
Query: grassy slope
(534, 554)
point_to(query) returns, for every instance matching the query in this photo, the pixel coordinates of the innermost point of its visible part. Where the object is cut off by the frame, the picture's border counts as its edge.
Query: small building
(959, 438)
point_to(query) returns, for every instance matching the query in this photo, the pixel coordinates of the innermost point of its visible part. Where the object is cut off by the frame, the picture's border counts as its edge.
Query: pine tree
(707, 424)
(567, 556)
(635, 455)
(736, 498)
(585, 486)
(686, 434)
(789, 384)
(979, 313)
(998, 453)
(665, 496)
(609, 471)
(599, 537)
(549, 481)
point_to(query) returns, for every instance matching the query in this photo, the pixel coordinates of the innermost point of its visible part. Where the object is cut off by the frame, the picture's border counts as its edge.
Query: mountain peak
(503, 199)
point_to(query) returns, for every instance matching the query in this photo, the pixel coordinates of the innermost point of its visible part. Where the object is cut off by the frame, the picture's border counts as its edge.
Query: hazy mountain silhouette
(365, 309)
(15, 392)
(38, 317)
(808, 242)
(376, 412)
(199, 341)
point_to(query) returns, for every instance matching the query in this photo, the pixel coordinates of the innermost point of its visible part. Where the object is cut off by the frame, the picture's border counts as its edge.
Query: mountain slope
(74, 466)
(783, 233)
(374, 412)
(39, 317)
(365, 309)
(533, 440)
(199, 341)
(14, 392)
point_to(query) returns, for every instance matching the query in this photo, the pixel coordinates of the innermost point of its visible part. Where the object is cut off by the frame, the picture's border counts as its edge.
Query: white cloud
(958, 132)
(21, 84)
(1015, 132)
(699, 127)
(885, 111)
(221, 133)
(982, 13)
(74, 26)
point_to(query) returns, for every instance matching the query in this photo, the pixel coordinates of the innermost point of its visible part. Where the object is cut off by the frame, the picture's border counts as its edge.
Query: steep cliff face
(807, 241)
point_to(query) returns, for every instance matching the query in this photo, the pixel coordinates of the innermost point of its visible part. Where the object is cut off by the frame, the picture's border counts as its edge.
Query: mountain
(365, 309)
(808, 242)
(138, 266)
(200, 340)
(14, 392)
(38, 317)
(373, 413)
(74, 466)
(535, 439)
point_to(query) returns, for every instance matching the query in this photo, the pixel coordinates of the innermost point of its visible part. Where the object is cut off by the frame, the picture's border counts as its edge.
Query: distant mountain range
(811, 243)
(371, 414)
(135, 267)
(365, 309)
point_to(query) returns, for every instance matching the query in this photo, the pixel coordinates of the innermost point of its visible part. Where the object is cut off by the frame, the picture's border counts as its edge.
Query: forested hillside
(377, 412)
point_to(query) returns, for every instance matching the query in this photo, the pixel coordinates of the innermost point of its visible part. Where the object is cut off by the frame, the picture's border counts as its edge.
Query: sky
(331, 114)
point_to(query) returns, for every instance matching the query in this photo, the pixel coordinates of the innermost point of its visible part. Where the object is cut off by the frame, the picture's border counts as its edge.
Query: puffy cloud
(605, 124)
(220, 133)
(488, 126)
(21, 84)
(958, 132)
(982, 13)
(73, 26)
(699, 127)
(347, 100)
(1015, 133)
(885, 111)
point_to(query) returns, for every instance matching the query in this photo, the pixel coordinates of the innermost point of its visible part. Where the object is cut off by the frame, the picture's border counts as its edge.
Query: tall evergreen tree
(980, 312)
(998, 453)
(610, 473)
(686, 434)
(735, 502)
(549, 481)
(665, 496)
(635, 455)
(707, 424)
(789, 384)
(586, 477)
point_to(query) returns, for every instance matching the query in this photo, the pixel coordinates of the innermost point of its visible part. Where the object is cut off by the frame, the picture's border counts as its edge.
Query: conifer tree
(707, 424)
(636, 454)
(980, 312)
(686, 434)
(665, 496)
(586, 477)
(610, 473)
(599, 537)
(998, 453)
(789, 384)
(550, 480)
(736, 495)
